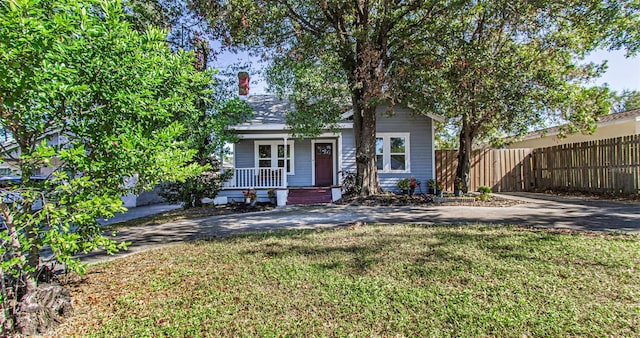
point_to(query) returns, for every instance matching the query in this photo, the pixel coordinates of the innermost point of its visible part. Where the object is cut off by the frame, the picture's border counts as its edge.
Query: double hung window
(271, 154)
(392, 152)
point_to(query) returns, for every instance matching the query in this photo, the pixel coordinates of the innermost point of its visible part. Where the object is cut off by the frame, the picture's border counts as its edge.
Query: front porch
(265, 179)
(255, 178)
(284, 196)
(268, 157)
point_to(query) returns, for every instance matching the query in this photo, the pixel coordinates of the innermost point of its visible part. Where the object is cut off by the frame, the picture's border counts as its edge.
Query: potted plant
(431, 184)
(439, 185)
(413, 183)
(458, 186)
(272, 195)
(403, 185)
(250, 196)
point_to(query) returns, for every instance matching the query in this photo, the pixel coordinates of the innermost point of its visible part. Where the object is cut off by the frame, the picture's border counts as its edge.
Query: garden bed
(390, 199)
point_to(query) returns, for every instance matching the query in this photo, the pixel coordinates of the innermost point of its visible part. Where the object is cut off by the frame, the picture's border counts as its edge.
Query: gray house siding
(348, 151)
(245, 158)
(301, 164)
(420, 145)
(244, 154)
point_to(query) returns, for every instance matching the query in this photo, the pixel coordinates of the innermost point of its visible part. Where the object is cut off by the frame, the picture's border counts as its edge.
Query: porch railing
(244, 178)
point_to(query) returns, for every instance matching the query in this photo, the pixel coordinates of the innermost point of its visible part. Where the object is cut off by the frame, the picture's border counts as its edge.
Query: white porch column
(284, 174)
(339, 150)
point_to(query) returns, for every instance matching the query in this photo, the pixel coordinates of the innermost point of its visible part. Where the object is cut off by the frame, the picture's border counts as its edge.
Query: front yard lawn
(369, 281)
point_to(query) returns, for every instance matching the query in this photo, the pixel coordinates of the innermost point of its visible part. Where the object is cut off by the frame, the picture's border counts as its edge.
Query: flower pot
(273, 200)
(411, 191)
(432, 191)
(253, 203)
(247, 200)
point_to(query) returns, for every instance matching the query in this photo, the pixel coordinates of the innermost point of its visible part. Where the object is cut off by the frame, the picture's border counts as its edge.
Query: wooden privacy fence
(611, 165)
(500, 169)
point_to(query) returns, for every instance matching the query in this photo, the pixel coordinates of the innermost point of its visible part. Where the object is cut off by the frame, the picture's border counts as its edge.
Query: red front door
(324, 164)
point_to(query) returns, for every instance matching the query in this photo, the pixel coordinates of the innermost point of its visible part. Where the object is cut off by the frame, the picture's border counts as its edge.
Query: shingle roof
(620, 116)
(268, 109)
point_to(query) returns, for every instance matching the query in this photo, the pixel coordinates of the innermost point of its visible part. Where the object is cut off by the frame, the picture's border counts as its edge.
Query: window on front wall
(270, 154)
(392, 152)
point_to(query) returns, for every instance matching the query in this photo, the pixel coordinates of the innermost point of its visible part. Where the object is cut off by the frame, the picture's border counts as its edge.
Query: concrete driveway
(537, 210)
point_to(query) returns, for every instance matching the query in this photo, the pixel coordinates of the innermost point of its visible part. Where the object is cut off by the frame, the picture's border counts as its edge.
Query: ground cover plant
(369, 281)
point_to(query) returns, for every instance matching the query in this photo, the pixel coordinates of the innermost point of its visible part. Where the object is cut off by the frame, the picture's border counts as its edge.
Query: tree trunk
(26, 171)
(464, 158)
(364, 118)
(43, 308)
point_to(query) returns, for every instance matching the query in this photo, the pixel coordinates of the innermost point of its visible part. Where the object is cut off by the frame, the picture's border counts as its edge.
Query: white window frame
(274, 154)
(386, 152)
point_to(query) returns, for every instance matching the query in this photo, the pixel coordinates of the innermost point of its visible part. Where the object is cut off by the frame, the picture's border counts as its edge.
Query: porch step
(309, 196)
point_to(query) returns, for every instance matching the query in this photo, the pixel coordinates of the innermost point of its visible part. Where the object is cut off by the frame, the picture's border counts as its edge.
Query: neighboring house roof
(620, 116)
(609, 119)
(269, 113)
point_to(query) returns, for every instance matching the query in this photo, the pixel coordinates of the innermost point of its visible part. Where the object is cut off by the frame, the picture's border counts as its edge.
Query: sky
(622, 73)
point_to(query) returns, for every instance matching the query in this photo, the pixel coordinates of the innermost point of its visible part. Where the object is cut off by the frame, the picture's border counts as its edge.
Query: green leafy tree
(207, 133)
(486, 65)
(625, 101)
(75, 71)
(504, 67)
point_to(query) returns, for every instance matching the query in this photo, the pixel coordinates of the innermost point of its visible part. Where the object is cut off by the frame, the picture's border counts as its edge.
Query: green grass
(370, 281)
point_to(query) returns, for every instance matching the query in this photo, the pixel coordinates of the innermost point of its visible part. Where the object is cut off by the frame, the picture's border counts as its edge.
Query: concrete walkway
(538, 211)
(139, 212)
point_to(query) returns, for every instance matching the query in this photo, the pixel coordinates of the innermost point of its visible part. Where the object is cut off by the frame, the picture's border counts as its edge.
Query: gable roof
(270, 111)
(613, 118)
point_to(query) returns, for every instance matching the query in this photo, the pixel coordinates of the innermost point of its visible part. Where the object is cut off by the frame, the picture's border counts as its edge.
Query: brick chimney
(243, 83)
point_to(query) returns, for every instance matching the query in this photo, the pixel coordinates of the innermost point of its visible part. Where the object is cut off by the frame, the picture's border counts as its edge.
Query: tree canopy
(492, 67)
(505, 67)
(626, 100)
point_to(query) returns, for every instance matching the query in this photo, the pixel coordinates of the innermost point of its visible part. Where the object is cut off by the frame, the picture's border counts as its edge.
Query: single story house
(609, 126)
(266, 155)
